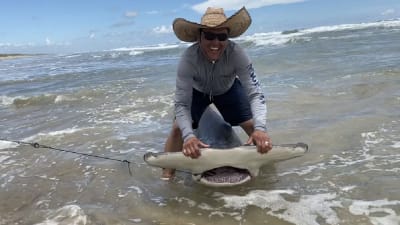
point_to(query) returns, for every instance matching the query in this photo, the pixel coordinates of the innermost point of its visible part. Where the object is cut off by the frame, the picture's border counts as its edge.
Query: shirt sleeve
(248, 78)
(183, 98)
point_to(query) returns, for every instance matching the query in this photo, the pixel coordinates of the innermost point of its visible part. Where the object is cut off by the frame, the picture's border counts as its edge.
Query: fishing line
(37, 145)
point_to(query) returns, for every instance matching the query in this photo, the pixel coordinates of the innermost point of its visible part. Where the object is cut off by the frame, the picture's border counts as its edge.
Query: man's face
(213, 42)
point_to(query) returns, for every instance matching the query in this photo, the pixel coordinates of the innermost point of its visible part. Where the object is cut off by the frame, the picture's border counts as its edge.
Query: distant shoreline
(13, 56)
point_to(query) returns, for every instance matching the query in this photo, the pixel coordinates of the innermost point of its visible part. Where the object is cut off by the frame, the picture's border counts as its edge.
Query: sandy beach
(13, 56)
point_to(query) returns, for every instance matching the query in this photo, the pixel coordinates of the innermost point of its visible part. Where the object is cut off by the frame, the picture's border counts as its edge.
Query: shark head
(214, 131)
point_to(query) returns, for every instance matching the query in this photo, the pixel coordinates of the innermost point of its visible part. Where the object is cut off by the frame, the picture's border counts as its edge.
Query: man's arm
(183, 99)
(248, 78)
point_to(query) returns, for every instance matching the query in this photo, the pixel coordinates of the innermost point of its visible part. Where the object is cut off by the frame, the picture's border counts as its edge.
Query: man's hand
(191, 148)
(261, 140)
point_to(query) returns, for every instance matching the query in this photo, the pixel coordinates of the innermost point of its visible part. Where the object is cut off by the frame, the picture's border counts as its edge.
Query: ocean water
(335, 88)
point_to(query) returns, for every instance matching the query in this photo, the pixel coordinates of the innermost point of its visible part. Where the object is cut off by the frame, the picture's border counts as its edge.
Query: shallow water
(335, 89)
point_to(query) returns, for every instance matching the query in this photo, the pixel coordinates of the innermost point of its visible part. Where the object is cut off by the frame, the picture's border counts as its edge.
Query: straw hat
(213, 18)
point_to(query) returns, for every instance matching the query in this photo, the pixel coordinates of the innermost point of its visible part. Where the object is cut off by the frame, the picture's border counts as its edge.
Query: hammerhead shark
(227, 162)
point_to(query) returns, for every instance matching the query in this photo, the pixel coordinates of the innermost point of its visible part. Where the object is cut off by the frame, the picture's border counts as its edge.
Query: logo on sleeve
(253, 75)
(255, 82)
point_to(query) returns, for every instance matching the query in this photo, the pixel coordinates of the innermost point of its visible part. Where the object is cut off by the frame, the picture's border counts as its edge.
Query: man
(215, 70)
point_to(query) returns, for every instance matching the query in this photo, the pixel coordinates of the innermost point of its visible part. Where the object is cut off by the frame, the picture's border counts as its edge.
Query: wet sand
(13, 56)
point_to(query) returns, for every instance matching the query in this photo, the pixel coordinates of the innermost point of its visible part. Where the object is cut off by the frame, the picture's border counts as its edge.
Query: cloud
(92, 35)
(127, 20)
(5, 44)
(48, 42)
(52, 43)
(162, 29)
(123, 23)
(235, 5)
(131, 14)
(152, 12)
(388, 12)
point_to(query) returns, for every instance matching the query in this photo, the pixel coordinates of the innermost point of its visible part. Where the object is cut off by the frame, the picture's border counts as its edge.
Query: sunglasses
(211, 36)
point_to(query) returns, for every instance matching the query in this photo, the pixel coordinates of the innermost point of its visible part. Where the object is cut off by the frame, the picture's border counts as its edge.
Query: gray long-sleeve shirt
(215, 78)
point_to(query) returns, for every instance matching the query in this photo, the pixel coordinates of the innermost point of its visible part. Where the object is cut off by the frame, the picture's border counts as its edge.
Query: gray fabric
(215, 78)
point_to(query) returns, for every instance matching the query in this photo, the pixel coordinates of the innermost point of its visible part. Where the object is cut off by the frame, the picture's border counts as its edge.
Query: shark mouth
(224, 176)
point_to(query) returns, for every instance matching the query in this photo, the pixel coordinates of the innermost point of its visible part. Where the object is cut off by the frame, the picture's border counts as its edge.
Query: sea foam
(303, 212)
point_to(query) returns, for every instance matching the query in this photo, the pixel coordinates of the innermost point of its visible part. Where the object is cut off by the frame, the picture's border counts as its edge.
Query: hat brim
(188, 31)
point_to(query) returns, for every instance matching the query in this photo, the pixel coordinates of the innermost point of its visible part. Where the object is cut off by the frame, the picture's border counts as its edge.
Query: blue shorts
(233, 105)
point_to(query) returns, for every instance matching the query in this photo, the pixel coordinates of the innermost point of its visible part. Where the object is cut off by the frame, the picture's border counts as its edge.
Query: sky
(59, 26)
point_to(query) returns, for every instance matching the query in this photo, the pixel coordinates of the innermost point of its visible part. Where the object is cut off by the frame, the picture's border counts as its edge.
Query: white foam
(3, 158)
(136, 220)
(190, 202)
(304, 212)
(387, 216)
(341, 27)
(281, 38)
(135, 52)
(72, 56)
(60, 132)
(316, 178)
(140, 118)
(362, 156)
(7, 144)
(69, 214)
(63, 98)
(396, 144)
(5, 100)
(137, 189)
(122, 194)
(348, 188)
(273, 38)
(303, 171)
(142, 49)
(205, 206)
(5, 179)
